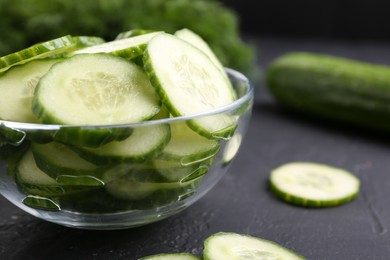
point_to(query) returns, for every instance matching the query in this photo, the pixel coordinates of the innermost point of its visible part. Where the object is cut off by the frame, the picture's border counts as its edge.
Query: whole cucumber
(332, 87)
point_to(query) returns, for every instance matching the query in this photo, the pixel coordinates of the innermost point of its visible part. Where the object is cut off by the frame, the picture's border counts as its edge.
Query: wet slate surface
(241, 202)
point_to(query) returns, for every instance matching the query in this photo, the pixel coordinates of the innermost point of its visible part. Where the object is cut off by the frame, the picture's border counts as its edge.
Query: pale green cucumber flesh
(37, 183)
(188, 147)
(95, 89)
(313, 185)
(128, 48)
(143, 144)
(197, 41)
(189, 83)
(38, 51)
(175, 171)
(127, 183)
(81, 42)
(17, 88)
(60, 161)
(33, 180)
(225, 245)
(132, 33)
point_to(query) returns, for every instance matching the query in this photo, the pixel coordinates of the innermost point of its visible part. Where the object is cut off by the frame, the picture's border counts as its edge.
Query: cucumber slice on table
(189, 83)
(313, 185)
(37, 51)
(17, 87)
(177, 256)
(128, 48)
(225, 245)
(94, 89)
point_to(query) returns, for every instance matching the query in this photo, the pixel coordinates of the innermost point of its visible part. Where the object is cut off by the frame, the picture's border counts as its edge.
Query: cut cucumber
(144, 143)
(80, 43)
(33, 180)
(197, 41)
(86, 41)
(37, 51)
(193, 38)
(313, 185)
(231, 148)
(123, 182)
(132, 33)
(187, 147)
(11, 136)
(177, 256)
(94, 89)
(189, 83)
(57, 160)
(36, 182)
(175, 171)
(17, 87)
(225, 245)
(127, 48)
(39, 202)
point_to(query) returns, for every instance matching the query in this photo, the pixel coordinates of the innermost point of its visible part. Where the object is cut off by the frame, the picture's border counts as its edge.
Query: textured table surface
(241, 201)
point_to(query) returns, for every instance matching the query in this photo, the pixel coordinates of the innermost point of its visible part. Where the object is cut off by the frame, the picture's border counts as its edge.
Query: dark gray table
(241, 202)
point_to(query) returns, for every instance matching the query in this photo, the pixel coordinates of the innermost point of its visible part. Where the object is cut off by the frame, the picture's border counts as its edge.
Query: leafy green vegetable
(25, 22)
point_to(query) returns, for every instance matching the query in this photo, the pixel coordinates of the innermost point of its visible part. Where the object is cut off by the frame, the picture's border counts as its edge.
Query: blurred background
(349, 20)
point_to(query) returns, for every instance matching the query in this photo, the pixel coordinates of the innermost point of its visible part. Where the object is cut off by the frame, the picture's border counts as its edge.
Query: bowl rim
(229, 107)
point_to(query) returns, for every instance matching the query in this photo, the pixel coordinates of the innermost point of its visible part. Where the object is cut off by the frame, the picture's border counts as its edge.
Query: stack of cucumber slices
(105, 103)
(234, 246)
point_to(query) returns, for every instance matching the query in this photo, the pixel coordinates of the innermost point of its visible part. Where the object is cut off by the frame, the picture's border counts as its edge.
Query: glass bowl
(95, 188)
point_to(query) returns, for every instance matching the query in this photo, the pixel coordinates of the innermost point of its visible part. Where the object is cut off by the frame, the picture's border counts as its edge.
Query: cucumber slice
(127, 48)
(86, 41)
(144, 143)
(37, 51)
(17, 87)
(80, 43)
(95, 89)
(177, 256)
(132, 33)
(41, 203)
(98, 89)
(231, 148)
(313, 185)
(59, 161)
(125, 183)
(36, 182)
(188, 147)
(9, 135)
(189, 83)
(225, 245)
(174, 171)
(196, 40)
(33, 180)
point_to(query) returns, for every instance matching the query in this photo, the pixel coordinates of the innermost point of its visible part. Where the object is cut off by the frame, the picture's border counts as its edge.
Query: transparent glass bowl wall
(123, 193)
